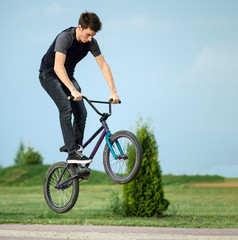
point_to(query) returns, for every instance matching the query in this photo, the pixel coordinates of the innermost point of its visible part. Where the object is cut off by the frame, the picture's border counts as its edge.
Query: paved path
(52, 232)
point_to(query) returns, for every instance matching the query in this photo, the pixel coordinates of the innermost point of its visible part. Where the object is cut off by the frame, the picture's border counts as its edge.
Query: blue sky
(175, 62)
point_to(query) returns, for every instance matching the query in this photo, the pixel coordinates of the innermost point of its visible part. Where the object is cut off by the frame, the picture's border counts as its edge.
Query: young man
(57, 78)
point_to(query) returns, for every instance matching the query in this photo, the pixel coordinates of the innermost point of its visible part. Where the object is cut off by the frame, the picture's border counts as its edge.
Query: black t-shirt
(75, 51)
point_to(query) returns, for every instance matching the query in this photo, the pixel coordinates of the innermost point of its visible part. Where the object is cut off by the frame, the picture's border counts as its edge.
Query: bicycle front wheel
(61, 194)
(128, 150)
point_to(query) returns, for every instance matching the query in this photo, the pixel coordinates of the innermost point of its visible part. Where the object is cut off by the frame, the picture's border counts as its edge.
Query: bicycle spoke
(60, 191)
(61, 196)
(128, 150)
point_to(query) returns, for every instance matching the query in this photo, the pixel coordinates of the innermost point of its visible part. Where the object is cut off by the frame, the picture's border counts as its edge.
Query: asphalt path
(50, 232)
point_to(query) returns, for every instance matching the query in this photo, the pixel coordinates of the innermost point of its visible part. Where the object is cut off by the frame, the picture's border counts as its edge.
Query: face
(85, 35)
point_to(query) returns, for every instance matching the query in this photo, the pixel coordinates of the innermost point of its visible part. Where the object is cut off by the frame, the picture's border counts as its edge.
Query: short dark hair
(90, 20)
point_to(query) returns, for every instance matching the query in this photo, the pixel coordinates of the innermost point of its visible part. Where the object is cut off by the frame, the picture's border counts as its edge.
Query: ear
(80, 27)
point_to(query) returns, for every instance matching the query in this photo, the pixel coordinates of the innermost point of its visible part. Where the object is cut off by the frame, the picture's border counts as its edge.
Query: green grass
(33, 175)
(185, 179)
(22, 201)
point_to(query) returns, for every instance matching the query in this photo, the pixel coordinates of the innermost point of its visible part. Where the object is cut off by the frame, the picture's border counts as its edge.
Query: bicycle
(122, 159)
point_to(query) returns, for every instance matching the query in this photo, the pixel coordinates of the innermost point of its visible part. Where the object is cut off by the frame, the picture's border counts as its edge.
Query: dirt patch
(214, 185)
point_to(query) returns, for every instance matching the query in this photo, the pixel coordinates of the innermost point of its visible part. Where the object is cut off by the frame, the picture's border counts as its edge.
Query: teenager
(57, 78)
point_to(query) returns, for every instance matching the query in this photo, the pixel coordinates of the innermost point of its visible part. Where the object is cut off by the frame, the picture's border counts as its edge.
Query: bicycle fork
(122, 155)
(107, 137)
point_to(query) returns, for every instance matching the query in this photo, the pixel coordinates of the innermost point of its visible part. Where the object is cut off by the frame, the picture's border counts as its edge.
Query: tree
(144, 196)
(18, 159)
(30, 156)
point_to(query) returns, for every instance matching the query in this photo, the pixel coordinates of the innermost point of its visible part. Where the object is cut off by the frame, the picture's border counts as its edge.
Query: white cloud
(209, 90)
(220, 57)
(139, 22)
(214, 64)
(32, 11)
(53, 9)
(213, 22)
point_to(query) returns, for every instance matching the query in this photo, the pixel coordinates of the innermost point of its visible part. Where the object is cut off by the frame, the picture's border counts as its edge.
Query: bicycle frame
(105, 134)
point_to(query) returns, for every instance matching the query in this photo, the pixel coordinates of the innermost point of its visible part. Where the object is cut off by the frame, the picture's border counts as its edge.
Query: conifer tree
(27, 156)
(18, 159)
(144, 196)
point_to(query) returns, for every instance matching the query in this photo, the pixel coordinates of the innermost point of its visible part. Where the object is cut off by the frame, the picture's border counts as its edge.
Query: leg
(80, 116)
(54, 88)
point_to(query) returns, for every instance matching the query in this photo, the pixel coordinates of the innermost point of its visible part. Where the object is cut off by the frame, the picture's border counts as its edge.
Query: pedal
(83, 173)
(63, 149)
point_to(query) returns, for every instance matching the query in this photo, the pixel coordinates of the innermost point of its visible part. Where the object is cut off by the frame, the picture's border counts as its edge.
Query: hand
(115, 98)
(76, 94)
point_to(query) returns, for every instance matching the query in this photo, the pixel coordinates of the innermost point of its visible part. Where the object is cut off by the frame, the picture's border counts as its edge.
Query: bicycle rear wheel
(61, 196)
(129, 157)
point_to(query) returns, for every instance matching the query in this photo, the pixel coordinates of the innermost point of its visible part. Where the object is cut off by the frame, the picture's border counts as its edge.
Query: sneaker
(64, 149)
(78, 157)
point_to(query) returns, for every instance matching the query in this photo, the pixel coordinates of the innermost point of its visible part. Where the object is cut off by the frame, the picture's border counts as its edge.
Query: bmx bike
(122, 159)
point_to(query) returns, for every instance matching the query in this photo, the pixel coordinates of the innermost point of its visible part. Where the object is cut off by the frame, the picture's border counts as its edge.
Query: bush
(28, 157)
(18, 159)
(117, 206)
(144, 196)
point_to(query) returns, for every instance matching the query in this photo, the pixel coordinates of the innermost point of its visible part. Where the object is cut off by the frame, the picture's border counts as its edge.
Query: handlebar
(104, 115)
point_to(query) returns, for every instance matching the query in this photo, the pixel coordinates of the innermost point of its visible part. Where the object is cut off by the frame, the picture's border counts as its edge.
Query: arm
(108, 77)
(60, 70)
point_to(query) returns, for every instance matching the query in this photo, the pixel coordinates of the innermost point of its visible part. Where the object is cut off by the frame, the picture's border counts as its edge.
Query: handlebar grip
(111, 100)
(70, 97)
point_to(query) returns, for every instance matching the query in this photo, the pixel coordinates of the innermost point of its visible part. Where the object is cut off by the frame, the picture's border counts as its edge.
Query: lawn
(199, 207)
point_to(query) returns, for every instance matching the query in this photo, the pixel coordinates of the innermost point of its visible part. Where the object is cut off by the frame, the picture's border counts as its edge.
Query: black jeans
(72, 133)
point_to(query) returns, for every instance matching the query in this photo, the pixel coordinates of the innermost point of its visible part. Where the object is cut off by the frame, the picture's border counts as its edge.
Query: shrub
(116, 206)
(28, 157)
(144, 196)
(18, 159)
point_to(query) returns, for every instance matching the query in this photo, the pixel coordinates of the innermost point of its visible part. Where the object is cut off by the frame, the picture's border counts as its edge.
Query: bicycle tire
(63, 199)
(123, 171)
